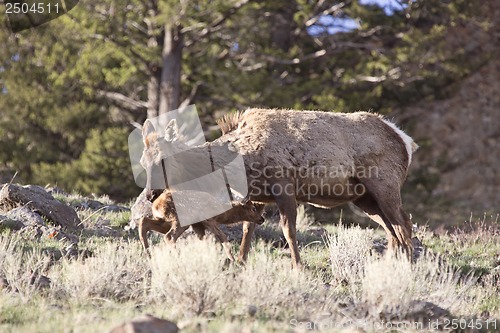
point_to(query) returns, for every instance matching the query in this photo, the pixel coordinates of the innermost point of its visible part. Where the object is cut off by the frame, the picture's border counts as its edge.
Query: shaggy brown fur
(165, 218)
(229, 122)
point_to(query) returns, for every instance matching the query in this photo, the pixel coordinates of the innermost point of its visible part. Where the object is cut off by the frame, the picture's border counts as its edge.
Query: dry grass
(349, 248)
(388, 287)
(427, 280)
(116, 271)
(195, 277)
(193, 285)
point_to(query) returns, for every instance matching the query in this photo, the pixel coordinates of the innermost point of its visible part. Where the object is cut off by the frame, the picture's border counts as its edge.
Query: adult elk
(322, 158)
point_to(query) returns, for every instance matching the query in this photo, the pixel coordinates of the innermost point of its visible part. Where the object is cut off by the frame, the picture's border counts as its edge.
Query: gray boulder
(25, 215)
(147, 324)
(8, 223)
(37, 199)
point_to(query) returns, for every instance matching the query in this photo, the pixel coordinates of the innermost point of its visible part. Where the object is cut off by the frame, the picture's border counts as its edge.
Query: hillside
(457, 164)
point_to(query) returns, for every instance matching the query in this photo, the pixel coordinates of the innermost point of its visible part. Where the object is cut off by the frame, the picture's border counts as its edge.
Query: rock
(244, 311)
(40, 231)
(423, 309)
(252, 310)
(319, 232)
(418, 248)
(71, 251)
(39, 281)
(26, 216)
(4, 284)
(96, 205)
(8, 223)
(32, 232)
(56, 190)
(460, 146)
(146, 324)
(38, 199)
(115, 208)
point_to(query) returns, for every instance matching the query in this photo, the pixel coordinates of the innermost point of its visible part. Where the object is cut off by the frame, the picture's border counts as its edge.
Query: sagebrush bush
(269, 283)
(190, 278)
(114, 271)
(192, 281)
(390, 284)
(304, 220)
(193, 278)
(20, 268)
(349, 249)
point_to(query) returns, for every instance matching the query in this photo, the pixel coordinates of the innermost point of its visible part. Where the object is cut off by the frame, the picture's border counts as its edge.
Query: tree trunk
(170, 86)
(154, 70)
(283, 25)
(153, 91)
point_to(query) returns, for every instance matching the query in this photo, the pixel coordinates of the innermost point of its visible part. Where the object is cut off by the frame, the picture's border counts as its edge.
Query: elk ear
(172, 131)
(147, 129)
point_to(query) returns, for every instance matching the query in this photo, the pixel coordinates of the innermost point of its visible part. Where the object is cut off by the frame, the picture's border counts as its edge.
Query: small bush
(269, 283)
(115, 271)
(390, 284)
(349, 250)
(20, 268)
(190, 277)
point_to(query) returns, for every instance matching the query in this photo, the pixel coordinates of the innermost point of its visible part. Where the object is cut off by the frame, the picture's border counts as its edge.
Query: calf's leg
(248, 229)
(146, 224)
(220, 236)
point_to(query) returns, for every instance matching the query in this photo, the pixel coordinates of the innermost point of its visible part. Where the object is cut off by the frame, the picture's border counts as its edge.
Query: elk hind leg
(390, 209)
(287, 206)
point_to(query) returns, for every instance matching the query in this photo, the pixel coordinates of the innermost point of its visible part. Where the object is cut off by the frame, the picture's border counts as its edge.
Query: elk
(323, 158)
(165, 219)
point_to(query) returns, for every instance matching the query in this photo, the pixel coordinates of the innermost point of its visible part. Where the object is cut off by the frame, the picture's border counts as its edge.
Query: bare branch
(124, 101)
(393, 73)
(218, 22)
(294, 61)
(325, 12)
(191, 96)
(262, 59)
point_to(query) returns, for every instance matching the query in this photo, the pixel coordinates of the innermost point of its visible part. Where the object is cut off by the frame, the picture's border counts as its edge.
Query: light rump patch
(410, 145)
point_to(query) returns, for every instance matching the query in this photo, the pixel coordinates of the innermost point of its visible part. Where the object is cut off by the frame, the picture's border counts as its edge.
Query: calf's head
(248, 211)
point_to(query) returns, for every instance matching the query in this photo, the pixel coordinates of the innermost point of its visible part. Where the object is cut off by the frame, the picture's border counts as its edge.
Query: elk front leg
(220, 236)
(248, 229)
(174, 233)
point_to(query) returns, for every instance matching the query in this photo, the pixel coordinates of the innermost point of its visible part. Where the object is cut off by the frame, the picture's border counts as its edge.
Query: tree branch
(325, 12)
(218, 22)
(191, 96)
(123, 100)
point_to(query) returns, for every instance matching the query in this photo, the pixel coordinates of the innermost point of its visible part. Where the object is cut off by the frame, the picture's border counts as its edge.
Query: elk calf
(165, 221)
